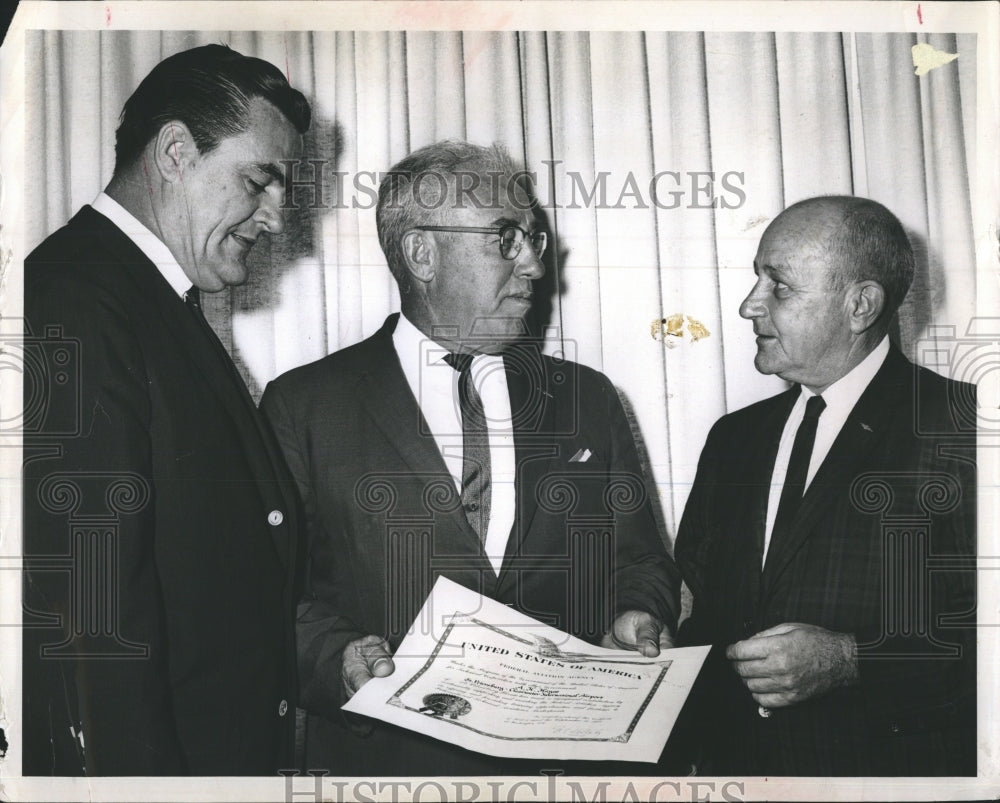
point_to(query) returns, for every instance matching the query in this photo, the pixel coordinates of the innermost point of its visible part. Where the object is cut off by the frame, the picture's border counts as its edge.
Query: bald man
(830, 534)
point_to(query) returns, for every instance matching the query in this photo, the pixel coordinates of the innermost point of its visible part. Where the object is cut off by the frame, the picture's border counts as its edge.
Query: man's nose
(753, 305)
(270, 212)
(529, 264)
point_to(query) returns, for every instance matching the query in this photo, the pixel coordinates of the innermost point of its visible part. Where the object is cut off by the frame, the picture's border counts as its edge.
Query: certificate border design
(457, 617)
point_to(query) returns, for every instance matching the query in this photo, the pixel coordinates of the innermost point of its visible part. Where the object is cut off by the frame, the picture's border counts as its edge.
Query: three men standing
(161, 519)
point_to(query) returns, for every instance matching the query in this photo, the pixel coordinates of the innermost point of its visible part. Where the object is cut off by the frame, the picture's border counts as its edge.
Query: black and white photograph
(534, 357)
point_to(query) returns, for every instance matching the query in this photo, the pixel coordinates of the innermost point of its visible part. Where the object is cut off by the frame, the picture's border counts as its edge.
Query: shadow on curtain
(660, 158)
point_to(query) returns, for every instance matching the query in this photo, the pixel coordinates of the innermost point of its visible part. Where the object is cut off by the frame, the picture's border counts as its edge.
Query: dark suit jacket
(384, 520)
(159, 524)
(882, 547)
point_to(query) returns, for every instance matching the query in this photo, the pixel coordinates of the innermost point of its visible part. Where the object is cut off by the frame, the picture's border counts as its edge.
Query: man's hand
(638, 630)
(364, 659)
(792, 662)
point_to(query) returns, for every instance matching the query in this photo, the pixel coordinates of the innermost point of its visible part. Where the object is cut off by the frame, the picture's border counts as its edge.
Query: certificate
(475, 673)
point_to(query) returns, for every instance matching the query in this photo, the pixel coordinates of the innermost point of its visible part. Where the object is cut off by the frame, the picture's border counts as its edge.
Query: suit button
(282, 708)
(895, 728)
(472, 507)
(764, 712)
(275, 517)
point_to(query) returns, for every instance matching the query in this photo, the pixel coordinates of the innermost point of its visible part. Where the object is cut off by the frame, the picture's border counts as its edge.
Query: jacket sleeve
(321, 632)
(693, 546)
(645, 578)
(89, 534)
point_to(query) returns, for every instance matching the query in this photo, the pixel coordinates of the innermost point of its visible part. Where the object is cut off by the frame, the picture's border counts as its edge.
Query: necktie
(798, 468)
(475, 447)
(193, 299)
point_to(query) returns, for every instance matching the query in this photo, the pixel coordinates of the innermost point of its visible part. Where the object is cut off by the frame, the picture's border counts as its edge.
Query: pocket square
(582, 456)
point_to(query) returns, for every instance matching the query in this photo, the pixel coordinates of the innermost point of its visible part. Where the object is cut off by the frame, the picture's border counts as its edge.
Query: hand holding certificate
(480, 675)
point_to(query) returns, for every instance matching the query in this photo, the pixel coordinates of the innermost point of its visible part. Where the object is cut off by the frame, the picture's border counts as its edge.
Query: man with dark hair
(829, 539)
(210, 88)
(447, 445)
(159, 517)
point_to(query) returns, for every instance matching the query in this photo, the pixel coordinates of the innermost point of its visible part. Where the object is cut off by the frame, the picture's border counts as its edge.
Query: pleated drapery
(660, 158)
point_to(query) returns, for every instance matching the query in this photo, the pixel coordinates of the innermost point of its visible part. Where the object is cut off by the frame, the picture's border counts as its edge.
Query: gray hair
(417, 190)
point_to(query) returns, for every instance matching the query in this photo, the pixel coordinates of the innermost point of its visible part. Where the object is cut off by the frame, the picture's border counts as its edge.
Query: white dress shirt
(435, 386)
(147, 242)
(840, 399)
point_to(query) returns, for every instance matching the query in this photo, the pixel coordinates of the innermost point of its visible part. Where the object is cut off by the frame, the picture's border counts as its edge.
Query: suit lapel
(865, 428)
(393, 408)
(209, 358)
(532, 407)
(773, 425)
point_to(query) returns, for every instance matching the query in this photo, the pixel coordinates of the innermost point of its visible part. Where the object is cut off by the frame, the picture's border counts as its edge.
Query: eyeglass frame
(499, 230)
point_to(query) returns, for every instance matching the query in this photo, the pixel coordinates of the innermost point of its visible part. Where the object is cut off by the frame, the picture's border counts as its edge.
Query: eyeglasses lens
(538, 242)
(512, 240)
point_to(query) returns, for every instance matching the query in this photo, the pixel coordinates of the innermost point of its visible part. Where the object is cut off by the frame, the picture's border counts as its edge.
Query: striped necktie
(475, 447)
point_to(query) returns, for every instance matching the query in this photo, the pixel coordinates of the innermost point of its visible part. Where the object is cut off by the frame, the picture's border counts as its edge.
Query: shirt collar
(412, 342)
(147, 242)
(845, 392)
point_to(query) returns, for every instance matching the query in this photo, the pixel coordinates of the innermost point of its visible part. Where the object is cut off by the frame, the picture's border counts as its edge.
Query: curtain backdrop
(755, 121)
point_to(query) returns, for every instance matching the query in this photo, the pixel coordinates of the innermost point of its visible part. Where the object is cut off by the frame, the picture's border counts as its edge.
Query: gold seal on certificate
(476, 673)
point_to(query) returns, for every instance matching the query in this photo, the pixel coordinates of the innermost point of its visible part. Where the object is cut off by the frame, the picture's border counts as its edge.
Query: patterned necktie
(475, 447)
(798, 468)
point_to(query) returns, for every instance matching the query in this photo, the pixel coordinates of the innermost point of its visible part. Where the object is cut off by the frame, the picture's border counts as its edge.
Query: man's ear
(173, 149)
(420, 253)
(867, 305)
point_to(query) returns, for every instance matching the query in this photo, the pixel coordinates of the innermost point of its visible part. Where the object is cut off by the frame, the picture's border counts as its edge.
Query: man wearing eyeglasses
(447, 444)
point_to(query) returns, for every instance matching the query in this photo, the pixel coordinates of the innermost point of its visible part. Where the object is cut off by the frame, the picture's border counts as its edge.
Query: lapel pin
(582, 456)
(866, 428)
